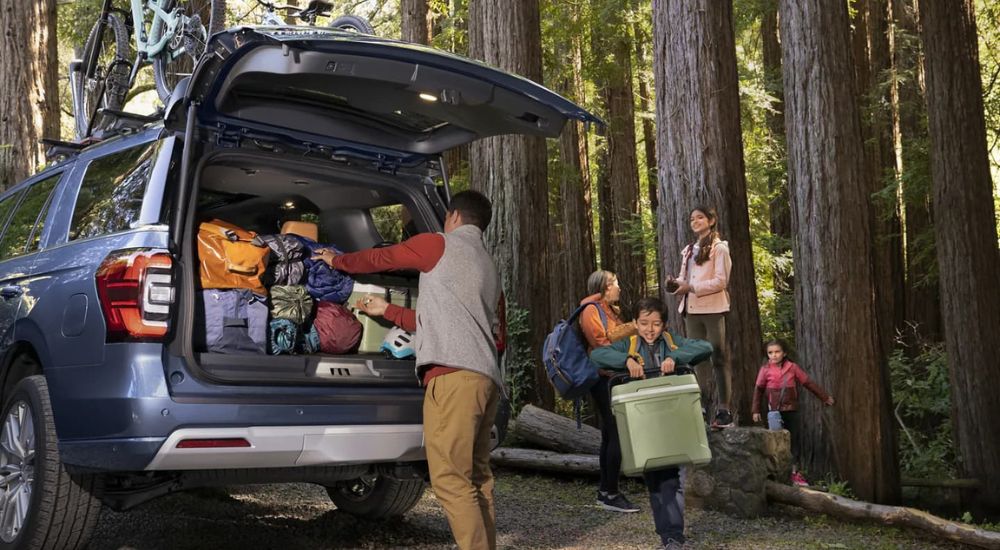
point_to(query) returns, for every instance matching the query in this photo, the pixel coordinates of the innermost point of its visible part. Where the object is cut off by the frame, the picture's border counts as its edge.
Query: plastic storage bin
(660, 423)
(373, 329)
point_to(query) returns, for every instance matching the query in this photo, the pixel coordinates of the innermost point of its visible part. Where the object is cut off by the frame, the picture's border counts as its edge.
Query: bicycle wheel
(109, 85)
(205, 18)
(352, 23)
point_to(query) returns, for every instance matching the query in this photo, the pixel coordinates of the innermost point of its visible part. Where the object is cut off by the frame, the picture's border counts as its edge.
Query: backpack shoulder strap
(579, 310)
(633, 349)
(670, 341)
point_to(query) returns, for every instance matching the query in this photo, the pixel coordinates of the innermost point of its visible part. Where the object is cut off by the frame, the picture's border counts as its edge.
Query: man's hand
(326, 255)
(829, 401)
(756, 417)
(372, 305)
(667, 366)
(634, 368)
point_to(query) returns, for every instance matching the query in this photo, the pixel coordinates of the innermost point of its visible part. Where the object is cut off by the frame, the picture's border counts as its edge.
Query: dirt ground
(533, 512)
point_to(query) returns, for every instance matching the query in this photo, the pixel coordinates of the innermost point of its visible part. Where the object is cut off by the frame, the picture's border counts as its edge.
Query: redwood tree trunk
(29, 93)
(575, 253)
(414, 23)
(700, 152)
(777, 182)
(923, 301)
(835, 322)
(511, 171)
(648, 131)
(618, 178)
(965, 225)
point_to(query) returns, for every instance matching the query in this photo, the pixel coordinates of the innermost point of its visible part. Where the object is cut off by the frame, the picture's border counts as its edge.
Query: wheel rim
(17, 469)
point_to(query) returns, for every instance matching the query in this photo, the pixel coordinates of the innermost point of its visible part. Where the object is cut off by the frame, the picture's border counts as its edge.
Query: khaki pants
(459, 410)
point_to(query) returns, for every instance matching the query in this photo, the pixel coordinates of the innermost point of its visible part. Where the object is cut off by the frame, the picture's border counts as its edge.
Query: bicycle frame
(150, 46)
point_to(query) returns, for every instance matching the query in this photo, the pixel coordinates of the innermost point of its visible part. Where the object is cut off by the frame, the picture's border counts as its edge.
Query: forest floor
(533, 511)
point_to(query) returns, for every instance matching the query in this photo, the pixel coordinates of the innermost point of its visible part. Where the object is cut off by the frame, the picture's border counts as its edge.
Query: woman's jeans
(712, 327)
(666, 499)
(611, 450)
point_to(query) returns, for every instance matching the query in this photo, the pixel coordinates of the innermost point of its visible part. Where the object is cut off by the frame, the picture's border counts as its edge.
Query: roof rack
(58, 150)
(124, 123)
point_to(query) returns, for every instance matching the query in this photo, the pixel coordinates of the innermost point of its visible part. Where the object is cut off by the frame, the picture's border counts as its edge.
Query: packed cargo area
(263, 309)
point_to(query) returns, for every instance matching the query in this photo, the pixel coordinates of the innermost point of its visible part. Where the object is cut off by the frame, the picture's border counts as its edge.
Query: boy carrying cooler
(656, 350)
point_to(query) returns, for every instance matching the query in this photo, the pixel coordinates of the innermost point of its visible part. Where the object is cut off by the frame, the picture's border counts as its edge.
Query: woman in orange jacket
(601, 330)
(703, 289)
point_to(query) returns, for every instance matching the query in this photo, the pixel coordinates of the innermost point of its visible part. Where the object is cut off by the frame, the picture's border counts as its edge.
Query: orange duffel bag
(230, 257)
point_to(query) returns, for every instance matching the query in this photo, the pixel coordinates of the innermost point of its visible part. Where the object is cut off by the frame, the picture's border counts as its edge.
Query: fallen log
(533, 459)
(556, 432)
(846, 508)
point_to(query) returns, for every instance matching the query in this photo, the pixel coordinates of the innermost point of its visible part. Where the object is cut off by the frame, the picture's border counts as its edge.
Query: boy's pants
(459, 410)
(666, 499)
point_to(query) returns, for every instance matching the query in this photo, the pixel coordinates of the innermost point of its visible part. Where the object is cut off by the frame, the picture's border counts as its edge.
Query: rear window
(25, 218)
(110, 197)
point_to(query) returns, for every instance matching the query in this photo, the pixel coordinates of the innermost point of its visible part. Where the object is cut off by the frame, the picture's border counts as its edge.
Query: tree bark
(414, 24)
(575, 253)
(618, 177)
(556, 432)
(700, 155)
(648, 132)
(777, 181)
(29, 92)
(872, 62)
(834, 289)
(922, 299)
(965, 226)
(845, 508)
(548, 461)
(511, 171)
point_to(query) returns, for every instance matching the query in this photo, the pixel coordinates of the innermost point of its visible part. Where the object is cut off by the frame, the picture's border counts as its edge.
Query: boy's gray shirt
(457, 307)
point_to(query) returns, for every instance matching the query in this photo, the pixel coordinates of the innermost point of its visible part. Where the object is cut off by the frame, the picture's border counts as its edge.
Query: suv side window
(6, 206)
(25, 217)
(111, 193)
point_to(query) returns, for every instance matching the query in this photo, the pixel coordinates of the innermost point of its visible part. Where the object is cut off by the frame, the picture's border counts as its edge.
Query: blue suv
(107, 398)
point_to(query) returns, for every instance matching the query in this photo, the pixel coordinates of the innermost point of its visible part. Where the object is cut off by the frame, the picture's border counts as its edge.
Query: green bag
(291, 302)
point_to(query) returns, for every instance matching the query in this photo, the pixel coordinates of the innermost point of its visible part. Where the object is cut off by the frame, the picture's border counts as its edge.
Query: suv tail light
(135, 289)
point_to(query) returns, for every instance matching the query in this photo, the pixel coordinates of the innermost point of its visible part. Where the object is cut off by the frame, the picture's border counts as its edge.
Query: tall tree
(835, 321)
(700, 155)
(777, 183)
(872, 63)
(966, 230)
(575, 251)
(618, 177)
(415, 26)
(922, 299)
(511, 171)
(29, 92)
(648, 128)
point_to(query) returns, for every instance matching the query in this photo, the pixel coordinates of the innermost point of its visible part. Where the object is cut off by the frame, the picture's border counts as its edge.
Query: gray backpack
(235, 321)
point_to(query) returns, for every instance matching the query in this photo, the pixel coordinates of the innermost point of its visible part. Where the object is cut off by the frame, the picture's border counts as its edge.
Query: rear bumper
(289, 446)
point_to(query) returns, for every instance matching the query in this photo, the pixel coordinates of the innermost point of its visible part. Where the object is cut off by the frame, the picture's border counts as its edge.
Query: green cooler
(660, 423)
(373, 329)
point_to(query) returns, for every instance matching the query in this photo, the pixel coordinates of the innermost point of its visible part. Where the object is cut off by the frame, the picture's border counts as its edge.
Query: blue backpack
(565, 357)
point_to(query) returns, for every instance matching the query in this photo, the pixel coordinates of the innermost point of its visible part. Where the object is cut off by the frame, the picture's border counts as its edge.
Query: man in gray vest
(456, 355)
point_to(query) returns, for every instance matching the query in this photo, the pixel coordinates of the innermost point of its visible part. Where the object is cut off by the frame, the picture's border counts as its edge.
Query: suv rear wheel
(376, 496)
(41, 505)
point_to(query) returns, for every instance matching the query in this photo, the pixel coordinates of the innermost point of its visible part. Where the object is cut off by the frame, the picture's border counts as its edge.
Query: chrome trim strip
(288, 446)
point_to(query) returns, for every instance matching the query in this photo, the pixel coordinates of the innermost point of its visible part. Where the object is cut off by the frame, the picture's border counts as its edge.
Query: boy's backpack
(566, 361)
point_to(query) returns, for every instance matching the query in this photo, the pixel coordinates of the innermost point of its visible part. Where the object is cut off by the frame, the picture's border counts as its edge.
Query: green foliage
(838, 487)
(920, 391)
(519, 359)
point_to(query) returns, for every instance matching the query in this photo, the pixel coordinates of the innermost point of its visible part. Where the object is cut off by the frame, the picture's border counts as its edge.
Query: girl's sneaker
(799, 479)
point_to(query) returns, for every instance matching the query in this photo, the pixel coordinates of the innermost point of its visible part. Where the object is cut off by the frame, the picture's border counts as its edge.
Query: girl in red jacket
(779, 380)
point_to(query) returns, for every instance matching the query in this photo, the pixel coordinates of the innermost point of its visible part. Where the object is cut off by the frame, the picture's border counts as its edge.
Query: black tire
(500, 422)
(168, 72)
(376, 496)
(109, 86)
(352, 23)
(62, 508)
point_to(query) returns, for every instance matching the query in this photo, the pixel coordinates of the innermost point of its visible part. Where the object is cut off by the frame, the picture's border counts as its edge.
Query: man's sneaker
(672, 544)
(723, 419)
(616, 503)
(799, 479)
